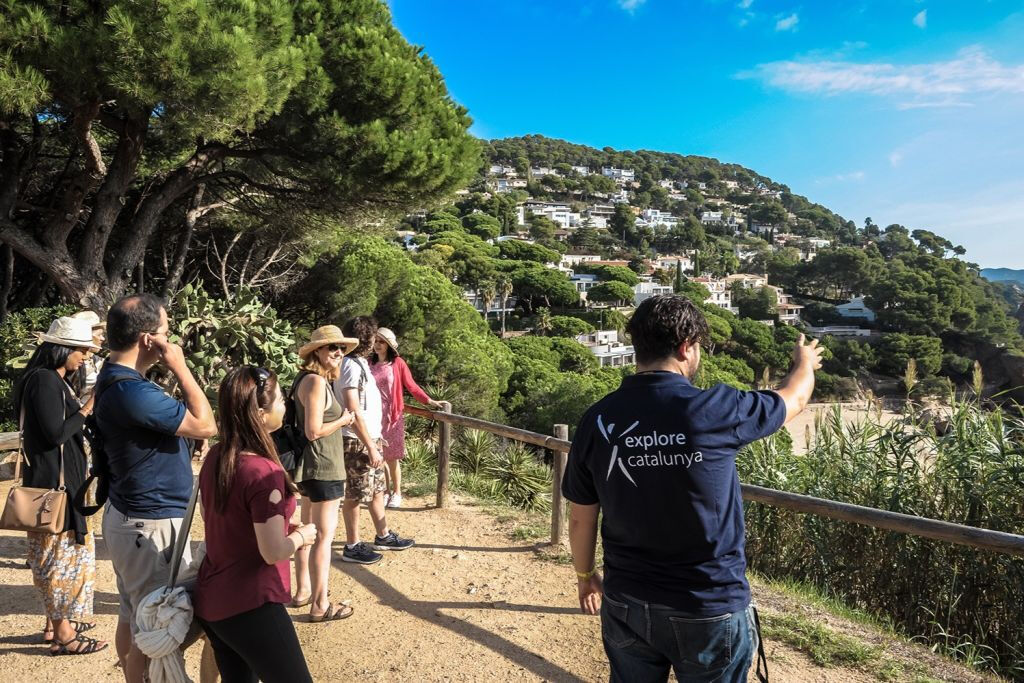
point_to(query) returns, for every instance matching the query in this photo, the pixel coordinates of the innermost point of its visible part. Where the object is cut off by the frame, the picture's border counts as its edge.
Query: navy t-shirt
(150, 467)
(659, 456)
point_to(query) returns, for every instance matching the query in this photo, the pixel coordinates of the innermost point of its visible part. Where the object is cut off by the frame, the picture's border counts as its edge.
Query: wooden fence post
(444, 451)
(557, 504)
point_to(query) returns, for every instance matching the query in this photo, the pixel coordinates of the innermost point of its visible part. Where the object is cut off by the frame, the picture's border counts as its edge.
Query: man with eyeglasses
(144, 434)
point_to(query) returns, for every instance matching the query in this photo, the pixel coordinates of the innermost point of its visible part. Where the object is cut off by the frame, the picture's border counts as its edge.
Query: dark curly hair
(662, 323)
(363, 328)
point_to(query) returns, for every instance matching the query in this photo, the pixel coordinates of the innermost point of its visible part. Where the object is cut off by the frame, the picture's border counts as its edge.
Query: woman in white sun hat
(393, 379)
(63, 565)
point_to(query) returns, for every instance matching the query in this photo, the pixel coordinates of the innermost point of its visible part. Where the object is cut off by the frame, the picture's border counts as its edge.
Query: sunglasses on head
(261, 379)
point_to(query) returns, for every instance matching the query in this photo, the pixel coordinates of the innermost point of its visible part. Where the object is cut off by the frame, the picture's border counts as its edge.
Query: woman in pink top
(247, 500)
(393, 380)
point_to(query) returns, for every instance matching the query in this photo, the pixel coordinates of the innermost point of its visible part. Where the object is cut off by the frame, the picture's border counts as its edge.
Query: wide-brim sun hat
(92, 318)
(389, 338)
(328, 334)
(68, 331)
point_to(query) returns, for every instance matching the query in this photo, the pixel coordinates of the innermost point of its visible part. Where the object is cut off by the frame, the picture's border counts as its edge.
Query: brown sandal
(87, 646)
(301, 603)
(336, 612)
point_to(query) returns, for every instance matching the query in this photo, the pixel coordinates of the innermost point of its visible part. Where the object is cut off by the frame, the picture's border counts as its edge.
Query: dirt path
(466, 604)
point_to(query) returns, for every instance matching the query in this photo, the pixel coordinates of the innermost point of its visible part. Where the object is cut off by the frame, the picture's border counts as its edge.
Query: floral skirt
(64, 572)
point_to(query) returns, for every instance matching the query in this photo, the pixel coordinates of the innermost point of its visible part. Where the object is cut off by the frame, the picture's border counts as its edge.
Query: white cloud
(896, 158)
(787, 23)
(744, 4)
(630, 5)
(971, 73)
(984, 221)
(921, 19)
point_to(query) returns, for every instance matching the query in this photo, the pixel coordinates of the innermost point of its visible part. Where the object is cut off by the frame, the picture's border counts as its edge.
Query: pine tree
(115, 115)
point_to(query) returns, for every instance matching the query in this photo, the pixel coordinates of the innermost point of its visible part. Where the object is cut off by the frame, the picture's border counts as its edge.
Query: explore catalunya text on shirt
(659, 457)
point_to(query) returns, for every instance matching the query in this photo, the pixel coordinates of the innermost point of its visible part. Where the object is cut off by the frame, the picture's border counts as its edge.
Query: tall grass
(965, 467)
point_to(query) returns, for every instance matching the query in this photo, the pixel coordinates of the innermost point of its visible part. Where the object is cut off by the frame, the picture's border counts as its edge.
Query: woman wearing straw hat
(63, 565)
(90, 369)
(321, 477)
(393, 379)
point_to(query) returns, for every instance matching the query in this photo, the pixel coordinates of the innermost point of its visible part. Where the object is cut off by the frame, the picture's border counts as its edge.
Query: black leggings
(258, 645)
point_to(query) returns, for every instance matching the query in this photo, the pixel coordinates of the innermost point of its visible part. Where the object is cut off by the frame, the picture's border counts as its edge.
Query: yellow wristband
(586, 575)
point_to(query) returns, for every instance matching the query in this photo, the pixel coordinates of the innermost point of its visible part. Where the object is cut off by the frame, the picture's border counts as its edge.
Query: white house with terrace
(610, 352)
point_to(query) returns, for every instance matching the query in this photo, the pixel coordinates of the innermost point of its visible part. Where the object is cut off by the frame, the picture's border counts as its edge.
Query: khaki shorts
(362, 482)
(140, 551)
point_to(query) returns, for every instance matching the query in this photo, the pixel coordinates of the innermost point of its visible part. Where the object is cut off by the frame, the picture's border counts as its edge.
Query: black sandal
(88, 646)
(79, 626)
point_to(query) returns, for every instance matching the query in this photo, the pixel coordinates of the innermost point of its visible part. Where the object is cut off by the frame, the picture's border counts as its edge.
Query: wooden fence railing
(559, 444)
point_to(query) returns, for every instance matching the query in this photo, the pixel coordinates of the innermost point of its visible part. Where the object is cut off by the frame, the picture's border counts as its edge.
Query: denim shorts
(644, 640)
(321, 490)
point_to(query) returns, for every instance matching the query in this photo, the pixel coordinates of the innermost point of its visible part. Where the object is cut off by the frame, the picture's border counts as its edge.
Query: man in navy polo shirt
(144, 435)
(658, 457)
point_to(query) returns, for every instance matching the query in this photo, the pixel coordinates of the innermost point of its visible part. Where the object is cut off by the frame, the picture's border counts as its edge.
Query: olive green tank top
(323, 458)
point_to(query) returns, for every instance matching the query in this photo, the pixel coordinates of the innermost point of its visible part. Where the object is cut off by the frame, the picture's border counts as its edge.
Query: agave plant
(520, 479)
(474, 451)
(420, 456)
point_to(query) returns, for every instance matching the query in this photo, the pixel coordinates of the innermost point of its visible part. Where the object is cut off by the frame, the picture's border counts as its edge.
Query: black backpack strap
(761, 659)
(99, 472)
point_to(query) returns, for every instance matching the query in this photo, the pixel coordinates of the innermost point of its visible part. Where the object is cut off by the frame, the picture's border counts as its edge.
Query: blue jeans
(643, 640)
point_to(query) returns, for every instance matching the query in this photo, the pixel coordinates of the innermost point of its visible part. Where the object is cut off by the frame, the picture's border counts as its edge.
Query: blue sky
(906, 111)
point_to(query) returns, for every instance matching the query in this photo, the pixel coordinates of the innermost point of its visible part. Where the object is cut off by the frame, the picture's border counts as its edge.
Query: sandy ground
(851, 413)
(467, 604)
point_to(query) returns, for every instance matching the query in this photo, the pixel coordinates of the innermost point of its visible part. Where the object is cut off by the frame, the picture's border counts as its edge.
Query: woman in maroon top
(247, 500)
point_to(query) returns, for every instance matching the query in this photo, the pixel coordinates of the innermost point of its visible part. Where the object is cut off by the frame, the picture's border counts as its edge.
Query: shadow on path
(427, 611)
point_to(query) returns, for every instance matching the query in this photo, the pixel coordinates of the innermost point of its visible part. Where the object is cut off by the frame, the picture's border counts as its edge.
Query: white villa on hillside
(619, 175)
(789, 312)
(570, 260)
(748, 280)
(720, 294)
(672, 262)
(855, 308)
(645, 290)
(557, 212)
(654, 217)
(711, 217)
(476, 301)
(609, 350)
(841, 331)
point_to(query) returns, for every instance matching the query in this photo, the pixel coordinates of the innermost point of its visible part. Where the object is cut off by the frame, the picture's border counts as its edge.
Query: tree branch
(109, 199)
(83, 182)
(182, 180)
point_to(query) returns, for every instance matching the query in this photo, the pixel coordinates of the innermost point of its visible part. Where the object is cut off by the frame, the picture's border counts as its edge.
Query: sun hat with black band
(389, 338)
(328, 334)
(68, 331)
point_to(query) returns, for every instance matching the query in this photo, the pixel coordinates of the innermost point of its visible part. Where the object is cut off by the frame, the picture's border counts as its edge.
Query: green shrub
(218, 335)
(17, 341)
(568, 326)
(969, 470)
